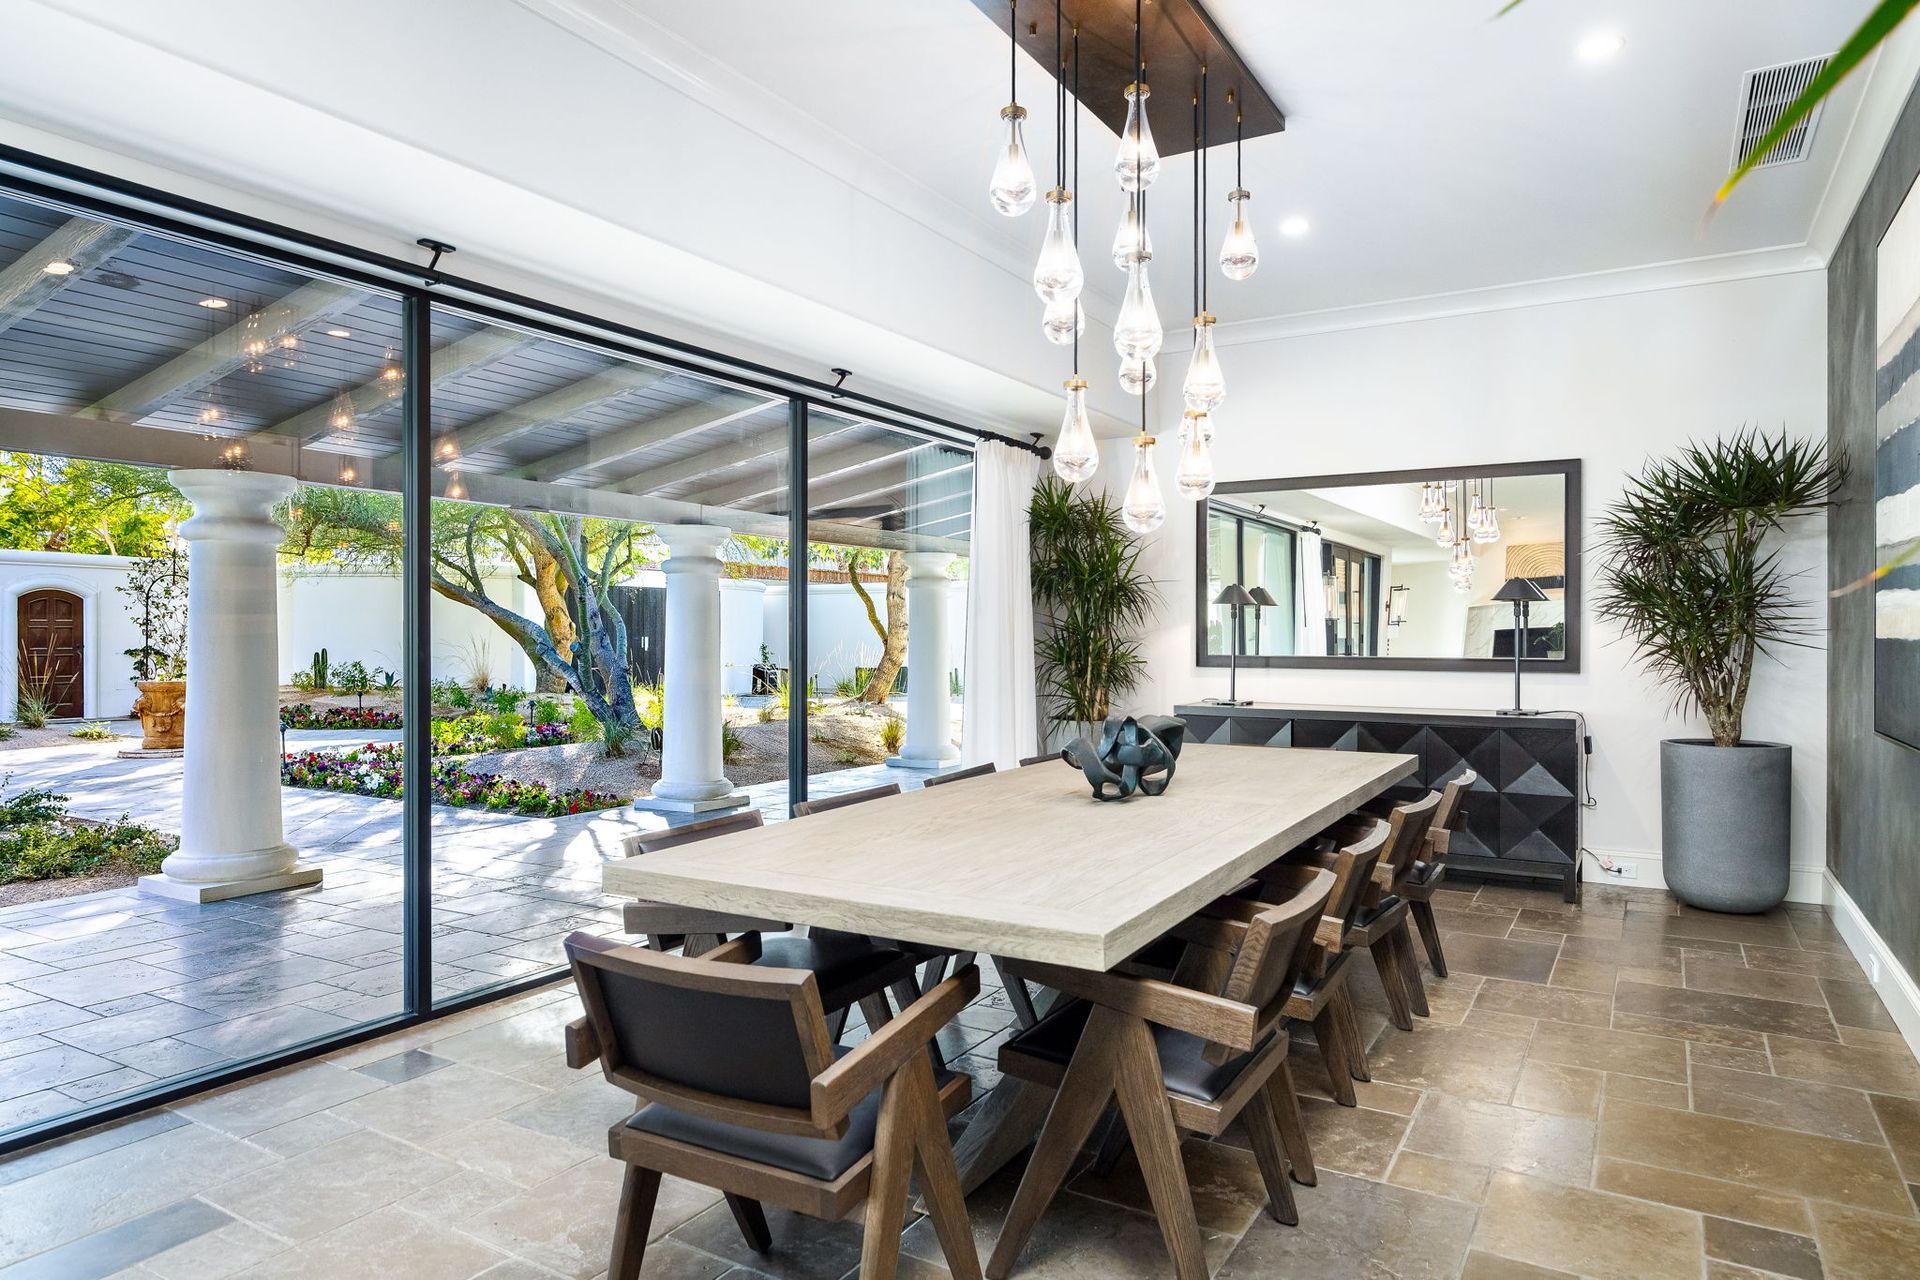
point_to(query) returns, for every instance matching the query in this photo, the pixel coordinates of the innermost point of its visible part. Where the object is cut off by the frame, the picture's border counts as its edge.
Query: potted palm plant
(1093, 600)
(1692, 577)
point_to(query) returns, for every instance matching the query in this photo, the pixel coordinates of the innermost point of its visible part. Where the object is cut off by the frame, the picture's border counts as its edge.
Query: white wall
(1610, 381)
(356, 617)
(839, 637)
(108, 628)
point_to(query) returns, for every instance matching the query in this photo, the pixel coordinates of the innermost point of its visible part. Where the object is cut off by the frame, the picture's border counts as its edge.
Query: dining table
(1023, 864)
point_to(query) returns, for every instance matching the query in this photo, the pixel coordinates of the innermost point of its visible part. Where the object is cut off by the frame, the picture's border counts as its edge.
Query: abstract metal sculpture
(1131, 755)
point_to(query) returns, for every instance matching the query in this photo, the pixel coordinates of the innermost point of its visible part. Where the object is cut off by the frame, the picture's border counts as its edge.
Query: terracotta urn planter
(162, 708)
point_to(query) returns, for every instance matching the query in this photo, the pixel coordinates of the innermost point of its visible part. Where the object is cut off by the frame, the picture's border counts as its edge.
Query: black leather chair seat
(1182, 1066)
(846, 966)
(823, 1158)
(1374, 912)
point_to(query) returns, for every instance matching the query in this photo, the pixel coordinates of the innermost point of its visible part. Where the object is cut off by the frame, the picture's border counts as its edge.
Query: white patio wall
(356, 616)
(839, 637)
(109, 631)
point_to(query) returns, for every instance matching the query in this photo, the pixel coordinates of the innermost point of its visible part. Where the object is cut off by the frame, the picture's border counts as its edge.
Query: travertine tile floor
(1625, 1089)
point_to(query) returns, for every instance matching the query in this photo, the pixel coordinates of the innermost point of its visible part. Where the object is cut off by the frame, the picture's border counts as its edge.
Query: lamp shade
(1233, 593)
(1517, 589)
(1264, 598)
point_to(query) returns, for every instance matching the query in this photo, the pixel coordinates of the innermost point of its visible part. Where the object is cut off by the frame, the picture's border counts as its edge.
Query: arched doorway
(52, 650)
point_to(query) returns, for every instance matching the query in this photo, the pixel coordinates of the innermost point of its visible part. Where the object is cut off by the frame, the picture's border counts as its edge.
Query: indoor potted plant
(1689, 577)
(157, 585)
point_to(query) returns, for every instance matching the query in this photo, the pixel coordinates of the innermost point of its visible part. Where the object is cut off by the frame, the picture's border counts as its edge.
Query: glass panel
(169, 413)
(1388, 537)
(609, 570)
(889, 515)
(1269, 557)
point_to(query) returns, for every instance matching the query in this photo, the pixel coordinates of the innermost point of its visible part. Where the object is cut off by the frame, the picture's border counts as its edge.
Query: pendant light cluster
(1059, 277)
(1463, 514)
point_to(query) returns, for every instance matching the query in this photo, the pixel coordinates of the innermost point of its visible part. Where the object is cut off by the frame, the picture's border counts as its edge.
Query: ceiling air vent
(1764, 94)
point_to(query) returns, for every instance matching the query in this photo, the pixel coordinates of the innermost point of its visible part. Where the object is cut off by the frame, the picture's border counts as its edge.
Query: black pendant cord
(1205, 112)
(1076, 182)
(1013, 53)
(1059, 103)
(1199, 185)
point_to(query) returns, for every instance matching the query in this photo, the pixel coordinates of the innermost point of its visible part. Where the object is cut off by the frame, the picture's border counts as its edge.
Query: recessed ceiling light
(214, 304)
(1600, 46)
(59, 267)
(338, 333)
(1294, 226)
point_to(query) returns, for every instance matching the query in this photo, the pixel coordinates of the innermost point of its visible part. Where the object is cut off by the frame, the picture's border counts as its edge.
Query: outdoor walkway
(105, 993)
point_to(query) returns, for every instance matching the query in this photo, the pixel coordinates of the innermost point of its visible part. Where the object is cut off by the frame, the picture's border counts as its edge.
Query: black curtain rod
(45, 178)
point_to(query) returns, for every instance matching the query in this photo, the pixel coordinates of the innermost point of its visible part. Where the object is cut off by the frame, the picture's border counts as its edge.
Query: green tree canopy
(77, 505)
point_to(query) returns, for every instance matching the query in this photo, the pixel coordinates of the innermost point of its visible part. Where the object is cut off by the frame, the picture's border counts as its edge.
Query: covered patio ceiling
(122, 357)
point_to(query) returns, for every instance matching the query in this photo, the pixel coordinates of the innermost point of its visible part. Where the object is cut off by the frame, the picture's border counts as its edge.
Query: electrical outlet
(1626, 870)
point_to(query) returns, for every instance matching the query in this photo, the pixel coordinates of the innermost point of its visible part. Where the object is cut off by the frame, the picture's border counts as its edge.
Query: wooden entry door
(52, 648)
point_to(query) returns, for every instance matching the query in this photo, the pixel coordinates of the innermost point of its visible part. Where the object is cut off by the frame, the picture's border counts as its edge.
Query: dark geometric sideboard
(1523, 815)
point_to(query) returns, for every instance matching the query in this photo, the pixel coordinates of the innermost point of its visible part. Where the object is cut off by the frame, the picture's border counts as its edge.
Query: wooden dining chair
(1382, 925)
(974, 771)
(741, 1089)
(1177, 1060)
(1430, 868)
(808, 807)
(1047, 759)
(852, 969)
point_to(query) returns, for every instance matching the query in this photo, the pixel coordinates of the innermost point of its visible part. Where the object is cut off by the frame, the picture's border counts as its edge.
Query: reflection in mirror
(1400, 567)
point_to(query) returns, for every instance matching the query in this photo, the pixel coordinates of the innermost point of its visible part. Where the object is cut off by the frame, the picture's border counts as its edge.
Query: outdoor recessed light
(214, 304)
(338, 333)
(59, 267)
(1294, 226)
(1600, 46)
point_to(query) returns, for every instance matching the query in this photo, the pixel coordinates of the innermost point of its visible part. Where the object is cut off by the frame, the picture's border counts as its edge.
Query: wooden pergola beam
(475, 351)
(616, 446)
(25, 284)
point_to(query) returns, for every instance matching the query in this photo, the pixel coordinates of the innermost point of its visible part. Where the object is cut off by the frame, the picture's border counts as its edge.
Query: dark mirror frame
(1567, 468)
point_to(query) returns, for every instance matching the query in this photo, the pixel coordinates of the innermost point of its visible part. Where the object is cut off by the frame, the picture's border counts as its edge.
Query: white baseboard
(1893, 984)
(1805, 883)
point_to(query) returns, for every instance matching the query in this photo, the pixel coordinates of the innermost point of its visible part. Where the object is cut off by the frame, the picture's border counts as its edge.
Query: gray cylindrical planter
(1724, 818)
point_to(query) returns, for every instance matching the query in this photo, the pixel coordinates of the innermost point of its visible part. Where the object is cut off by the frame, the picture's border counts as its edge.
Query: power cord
(1587, 801)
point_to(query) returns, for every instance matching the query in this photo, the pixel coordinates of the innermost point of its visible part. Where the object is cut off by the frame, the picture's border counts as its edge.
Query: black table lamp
(1262, 599)
(1523, 592)
(1235, 596)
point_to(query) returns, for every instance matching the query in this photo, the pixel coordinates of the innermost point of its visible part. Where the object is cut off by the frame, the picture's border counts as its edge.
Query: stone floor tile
(312, 1193)
(1590, 1233)
(566, 1223)
(1775, 1159)
(1352, 1227)
(1583, 924)
(1900, 1123)
(1855, 1004)
(386, 1242)
(1785, 1104)
(1745, 1013)
(1501, 958)
(1703, 974)
(255, 1033)
(1584, 975)
(1438, 1176)
(1692, 1032)
(108, 1084)
(304, 1134)
(1488, 1266)
(512, 1151)
(1702, 1054)
(118, 1030)
(48, 1069)
(1487, 924)
(1555, 1147)
(123, 1247)
(1531, 1000)
(1858, 1245)
(38, 1017)
(64, 1151)
(403, 1066)
(1352, 1140)
(1505, 1024)
(1560, 1090)
(1762, 1248)
(165, 1057)
(1703, 1195)
(1818, 964)
(436, 1102)
(217, 1254)
(268, 1101)
(1661, 1093)
(1627, 1053)
(1460, 1060)
(1227, 1191)
(1877, 1070)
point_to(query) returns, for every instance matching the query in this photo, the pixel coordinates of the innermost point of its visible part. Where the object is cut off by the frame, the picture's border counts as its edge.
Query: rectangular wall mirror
(1394, 569)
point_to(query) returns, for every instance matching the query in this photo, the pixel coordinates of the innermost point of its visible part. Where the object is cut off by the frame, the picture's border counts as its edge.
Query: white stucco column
(929, 741)
(230, 837)
(692, 770)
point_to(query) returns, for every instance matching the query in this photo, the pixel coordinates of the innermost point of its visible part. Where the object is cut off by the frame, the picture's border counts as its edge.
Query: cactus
(319, 671)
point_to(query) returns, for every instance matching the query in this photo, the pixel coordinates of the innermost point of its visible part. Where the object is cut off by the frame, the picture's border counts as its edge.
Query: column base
(923, 762)
(165, 886)
(661, 804)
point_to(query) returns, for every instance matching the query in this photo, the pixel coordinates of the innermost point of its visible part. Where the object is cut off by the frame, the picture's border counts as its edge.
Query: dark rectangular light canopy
(1178, 37)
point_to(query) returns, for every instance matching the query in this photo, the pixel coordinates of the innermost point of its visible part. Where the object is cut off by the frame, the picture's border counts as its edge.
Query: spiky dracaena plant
(1093, 601)
(1689, 576)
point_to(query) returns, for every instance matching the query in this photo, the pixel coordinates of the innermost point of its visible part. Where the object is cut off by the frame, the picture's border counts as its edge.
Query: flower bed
(494, 731)
(304, 715)
(374, 770)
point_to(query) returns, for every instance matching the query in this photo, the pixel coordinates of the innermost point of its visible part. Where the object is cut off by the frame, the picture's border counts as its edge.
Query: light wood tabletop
(1024, 862)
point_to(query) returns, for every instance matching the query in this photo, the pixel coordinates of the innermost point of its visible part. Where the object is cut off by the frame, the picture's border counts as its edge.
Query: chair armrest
(583, 1044)
(1212, 1018)
(882, 1053)
(665, 917)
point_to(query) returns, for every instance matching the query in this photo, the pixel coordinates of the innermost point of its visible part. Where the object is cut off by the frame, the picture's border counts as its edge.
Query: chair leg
(1410, 970)
(1430, 935)
(752, 1221)
(1143, 1101)
(1387, 961)
(1078, 1102)
(1334, 1051)
(631, 1223)
(837, 1024)
(875, 1009)
(886, 1216)
(946, 1204)
(1285, 1100)
(1356, 1043)
(1258, 1120)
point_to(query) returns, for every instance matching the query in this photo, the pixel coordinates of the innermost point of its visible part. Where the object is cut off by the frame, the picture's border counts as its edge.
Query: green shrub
(354, 678)
(94, 731)
(893, 733)
(731, 743)
(547, 711)
(615, 736)
(38, 841)
(846, 687)
(7, 730)
(582, 724)
(35, 804)
(32, 710)
(503, 699)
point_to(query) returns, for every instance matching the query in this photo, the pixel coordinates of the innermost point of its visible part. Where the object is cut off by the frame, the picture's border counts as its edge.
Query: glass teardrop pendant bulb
(340, 415)
(1136, 331)
(1138, 376)
(1076, 455)
(1429, 503)
(1137, 163)
(1131, 237)
(1193, 477)
(1444, 537)
(1205, 386)
(1063, 321)
(1489, 530)
(1012, 189)
(1239, 255)
(1144, 508)
(1058, 275)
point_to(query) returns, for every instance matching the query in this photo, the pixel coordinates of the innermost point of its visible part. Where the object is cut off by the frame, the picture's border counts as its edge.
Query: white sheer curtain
(1310, 597)
(1000, 720)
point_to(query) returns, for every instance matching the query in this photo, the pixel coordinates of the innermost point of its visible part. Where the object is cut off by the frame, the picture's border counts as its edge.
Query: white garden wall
(110, 629)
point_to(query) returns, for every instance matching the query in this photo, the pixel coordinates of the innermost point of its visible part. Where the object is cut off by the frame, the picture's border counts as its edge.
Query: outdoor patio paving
(106, 993)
